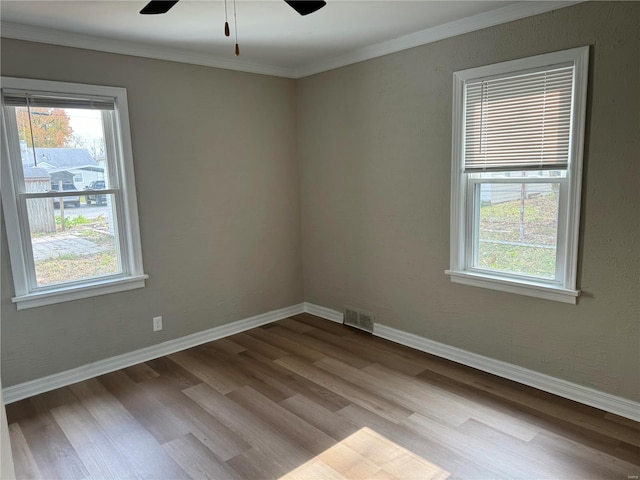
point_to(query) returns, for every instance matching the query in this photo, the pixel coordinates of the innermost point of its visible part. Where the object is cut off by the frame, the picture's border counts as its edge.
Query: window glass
(517, 231)
(72, 237)
(80, 247)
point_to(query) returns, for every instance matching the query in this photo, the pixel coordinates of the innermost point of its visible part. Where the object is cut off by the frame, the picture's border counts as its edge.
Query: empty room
(320, 240)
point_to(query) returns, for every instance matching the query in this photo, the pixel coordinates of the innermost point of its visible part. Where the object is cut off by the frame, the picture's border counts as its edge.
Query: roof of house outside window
(34, 173)
(55, 159)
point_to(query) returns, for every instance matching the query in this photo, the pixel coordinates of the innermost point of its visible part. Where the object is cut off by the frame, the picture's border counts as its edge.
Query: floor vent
(358, 319)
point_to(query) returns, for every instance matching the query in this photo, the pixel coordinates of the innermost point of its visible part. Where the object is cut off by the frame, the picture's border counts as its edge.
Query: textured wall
(218, 194)
(375, 153)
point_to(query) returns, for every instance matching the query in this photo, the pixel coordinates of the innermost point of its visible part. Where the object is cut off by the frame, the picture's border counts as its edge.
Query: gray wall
(219, 203)
(375, 153)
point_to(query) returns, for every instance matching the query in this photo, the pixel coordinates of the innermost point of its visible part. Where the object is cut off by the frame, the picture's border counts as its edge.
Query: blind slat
(527, 78)
(519, 122)
(513, 91)
(508, 122)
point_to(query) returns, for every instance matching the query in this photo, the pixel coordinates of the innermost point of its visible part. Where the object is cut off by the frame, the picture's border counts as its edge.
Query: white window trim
(17, 241)
(563, 290)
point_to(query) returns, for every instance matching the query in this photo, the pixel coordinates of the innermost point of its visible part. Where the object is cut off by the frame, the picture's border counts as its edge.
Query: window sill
(531, 289)
(66, 294)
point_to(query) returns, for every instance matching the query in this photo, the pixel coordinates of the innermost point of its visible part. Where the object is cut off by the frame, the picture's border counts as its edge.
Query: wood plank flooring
(305, 398)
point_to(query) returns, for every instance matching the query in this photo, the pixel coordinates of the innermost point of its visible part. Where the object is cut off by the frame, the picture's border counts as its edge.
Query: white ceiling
(273, 38)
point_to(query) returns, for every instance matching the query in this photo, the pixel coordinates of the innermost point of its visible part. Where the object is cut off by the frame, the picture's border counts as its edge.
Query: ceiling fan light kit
(303, 7)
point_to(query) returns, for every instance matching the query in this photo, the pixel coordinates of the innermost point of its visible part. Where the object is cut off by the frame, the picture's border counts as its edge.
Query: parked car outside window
(66, 187)
(100, 199)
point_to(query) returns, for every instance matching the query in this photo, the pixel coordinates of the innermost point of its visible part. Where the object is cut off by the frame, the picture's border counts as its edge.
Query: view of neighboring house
(44, 167)
(495, 193)
(69, 165)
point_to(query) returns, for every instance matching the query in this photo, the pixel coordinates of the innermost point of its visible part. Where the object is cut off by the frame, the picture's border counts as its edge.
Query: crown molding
(30, 33)
(498, 16)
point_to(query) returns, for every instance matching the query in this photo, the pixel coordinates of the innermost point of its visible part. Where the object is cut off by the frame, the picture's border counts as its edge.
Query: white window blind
(18, 98)
(519, 122)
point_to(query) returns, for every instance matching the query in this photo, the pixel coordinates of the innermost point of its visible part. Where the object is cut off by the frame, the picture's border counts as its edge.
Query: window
(518, 131)
(62, 247)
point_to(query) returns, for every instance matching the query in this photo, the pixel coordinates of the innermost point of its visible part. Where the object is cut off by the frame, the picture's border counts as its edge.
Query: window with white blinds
(519, 122)
(518, 133)
(68, 191)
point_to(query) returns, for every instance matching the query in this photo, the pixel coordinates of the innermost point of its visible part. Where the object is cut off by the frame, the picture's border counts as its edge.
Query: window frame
(127, 221)
(563, 287)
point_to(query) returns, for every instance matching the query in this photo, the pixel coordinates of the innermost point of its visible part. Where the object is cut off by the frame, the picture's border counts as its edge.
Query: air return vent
(358, 319)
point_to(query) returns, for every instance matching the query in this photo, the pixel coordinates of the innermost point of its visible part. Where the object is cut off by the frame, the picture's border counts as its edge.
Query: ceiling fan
(303, 7)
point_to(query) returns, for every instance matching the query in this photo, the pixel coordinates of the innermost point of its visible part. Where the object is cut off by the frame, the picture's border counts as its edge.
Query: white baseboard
(323, 312)
(563, 388)
(588, 396)
(68, 377)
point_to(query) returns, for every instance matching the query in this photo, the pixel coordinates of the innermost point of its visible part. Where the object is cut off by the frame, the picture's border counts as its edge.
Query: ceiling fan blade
(305, 7)
(154, 7)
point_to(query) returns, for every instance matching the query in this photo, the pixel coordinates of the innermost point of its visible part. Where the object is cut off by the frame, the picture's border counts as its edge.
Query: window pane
(67, 145)
(73, 237)
(72, 243)
(518, 228)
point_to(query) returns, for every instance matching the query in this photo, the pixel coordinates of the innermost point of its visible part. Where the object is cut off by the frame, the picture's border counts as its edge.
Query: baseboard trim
(563, 388)
(91, 370)
(323, 312)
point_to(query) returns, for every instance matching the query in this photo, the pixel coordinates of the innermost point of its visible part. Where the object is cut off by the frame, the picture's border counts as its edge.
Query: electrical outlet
(157, 324)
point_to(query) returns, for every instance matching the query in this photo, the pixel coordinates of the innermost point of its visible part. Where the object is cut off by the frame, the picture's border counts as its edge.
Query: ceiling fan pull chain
(303, 7)
(235, 23)
(226, 20)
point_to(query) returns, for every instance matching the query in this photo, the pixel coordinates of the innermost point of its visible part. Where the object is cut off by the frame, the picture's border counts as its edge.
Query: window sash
(123, 265)
(68, 193)
(472, 216)
(518, 121)
(111, 163)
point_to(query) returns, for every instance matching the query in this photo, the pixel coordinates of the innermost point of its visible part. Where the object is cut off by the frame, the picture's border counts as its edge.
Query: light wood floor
(305, 398)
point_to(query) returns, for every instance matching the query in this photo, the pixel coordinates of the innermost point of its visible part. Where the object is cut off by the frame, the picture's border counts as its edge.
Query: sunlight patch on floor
(367, 454)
